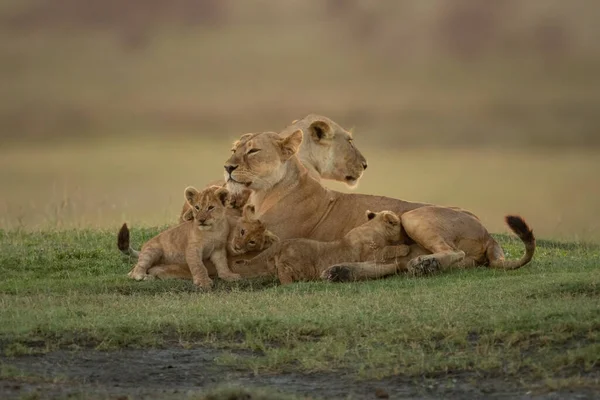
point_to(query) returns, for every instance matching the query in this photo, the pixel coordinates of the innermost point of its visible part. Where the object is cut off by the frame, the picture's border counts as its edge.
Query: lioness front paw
(337, 273)
(231, 277)
(423, 266)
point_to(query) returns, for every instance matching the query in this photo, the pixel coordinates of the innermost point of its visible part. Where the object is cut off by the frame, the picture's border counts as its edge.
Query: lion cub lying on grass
(305, 259)
(204, 237)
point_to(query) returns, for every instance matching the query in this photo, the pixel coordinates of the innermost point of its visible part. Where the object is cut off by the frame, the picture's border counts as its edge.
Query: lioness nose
(230, 168)
(202, 220)
(364, 164)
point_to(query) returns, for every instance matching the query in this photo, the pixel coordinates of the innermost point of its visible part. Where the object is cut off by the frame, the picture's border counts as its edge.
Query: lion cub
(305, 259)
(249, 234)
(204, 237)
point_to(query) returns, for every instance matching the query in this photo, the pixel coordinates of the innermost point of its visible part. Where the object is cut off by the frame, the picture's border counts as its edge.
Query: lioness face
(258, 160)
(250, 234)
(386, 223)
(208, 205)
(332, 148)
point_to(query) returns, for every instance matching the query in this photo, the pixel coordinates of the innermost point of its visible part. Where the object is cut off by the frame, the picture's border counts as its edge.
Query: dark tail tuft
(520, 228)
(123, 238)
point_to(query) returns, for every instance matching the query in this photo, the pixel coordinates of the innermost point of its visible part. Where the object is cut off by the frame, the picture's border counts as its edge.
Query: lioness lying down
(305, 259)
(293, 205)
(191, 242)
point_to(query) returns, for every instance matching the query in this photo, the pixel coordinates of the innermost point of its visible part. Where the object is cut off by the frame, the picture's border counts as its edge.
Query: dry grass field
(105, 182)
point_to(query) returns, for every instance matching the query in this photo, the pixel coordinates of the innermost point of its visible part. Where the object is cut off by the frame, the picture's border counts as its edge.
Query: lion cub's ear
(248, 212)
(239, 200)
(290, 145)
(190, 193)
(320, 130)
(188, 215)
(391, 218)
(270, 239)
(370, 215)
(223, 195)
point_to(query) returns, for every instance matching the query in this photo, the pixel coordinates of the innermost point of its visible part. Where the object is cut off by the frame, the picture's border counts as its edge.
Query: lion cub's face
(208, 205)
(250, 233)
(385, 223)
(258, 159)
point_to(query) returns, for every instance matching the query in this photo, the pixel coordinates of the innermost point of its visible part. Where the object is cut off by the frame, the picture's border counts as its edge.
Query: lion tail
(495, 254)
(123, 242)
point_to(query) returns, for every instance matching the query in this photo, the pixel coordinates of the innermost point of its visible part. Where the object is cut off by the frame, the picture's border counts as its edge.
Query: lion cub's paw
(133, 274)
(374, 246)
(149, 277)
(204, 284)
(423, 266)
(337, 273)
(231, 277)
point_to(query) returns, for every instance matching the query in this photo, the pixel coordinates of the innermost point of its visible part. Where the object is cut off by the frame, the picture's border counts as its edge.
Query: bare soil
(181, 373)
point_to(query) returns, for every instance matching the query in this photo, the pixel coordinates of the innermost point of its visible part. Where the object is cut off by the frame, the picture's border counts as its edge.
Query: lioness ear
(187, 216)
(189, 193)
(370, 215)
(222, 194)
(391, 218)
(248, 212)
(290, 145)
(270, 238)
(320, 130)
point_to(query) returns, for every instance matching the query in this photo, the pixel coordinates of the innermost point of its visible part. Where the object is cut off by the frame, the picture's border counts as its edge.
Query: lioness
(293, 205)
(328, 152)
(305, 259)
(192, 242)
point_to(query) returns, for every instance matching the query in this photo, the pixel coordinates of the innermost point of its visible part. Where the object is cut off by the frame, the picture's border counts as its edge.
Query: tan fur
(305, 259)
(327, 152)
(249, 234)
(293, 205)
(192, 242)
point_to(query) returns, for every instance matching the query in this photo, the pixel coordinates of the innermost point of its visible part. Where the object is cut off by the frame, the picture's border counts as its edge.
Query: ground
(73, 324)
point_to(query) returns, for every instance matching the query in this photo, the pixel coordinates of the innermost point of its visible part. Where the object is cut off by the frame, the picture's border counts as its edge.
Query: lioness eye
(252, 151)
(197, 208)
(210, 207)
(252, 243)
(242, 232)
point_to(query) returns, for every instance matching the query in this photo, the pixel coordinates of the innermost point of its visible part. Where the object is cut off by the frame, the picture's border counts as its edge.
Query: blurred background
(109, 109)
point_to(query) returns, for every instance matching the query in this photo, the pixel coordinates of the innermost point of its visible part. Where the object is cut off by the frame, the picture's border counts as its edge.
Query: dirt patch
(179, 373)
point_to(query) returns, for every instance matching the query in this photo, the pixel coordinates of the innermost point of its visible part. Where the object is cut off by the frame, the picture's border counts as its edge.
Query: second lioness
(305, 259)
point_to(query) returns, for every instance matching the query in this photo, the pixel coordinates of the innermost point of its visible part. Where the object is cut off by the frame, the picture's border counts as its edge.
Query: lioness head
(386, 223)
(250, 233)
(258, 160)
(330, 149)
(207, 205)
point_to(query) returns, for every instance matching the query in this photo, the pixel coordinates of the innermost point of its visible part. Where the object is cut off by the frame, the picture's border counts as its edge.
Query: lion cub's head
(207, 205)
(250, 233)
(382, 229)
(258, 160)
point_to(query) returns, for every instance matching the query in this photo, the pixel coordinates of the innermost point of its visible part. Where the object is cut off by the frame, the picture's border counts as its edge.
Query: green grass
(541, 323)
